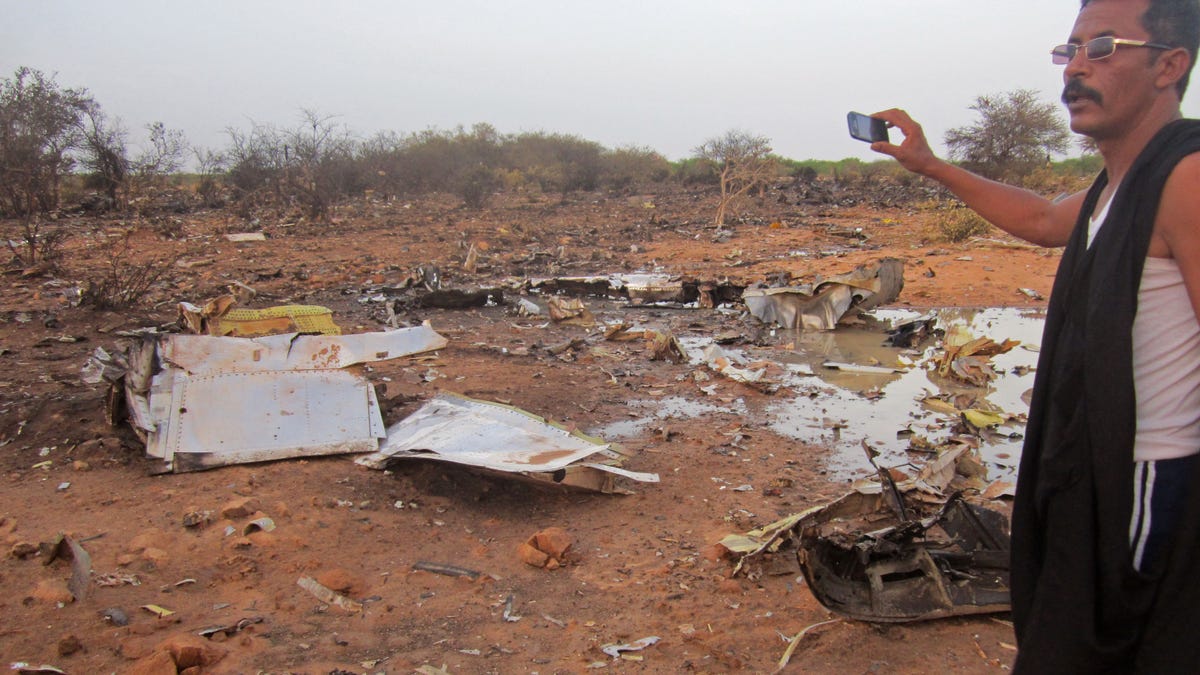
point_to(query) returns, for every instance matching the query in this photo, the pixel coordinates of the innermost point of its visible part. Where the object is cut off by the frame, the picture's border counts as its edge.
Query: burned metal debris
(642, 289)
(830, 299)
(451, 298)
(896, 550)
(952, 562)
(822, 304)
(968, 358)
(912, 333)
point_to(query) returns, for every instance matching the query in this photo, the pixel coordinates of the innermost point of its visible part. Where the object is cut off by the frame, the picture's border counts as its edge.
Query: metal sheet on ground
(292, 351)
(500, 438)
(231, 418)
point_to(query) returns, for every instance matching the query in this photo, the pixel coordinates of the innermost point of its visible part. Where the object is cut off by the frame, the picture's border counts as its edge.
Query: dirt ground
(641, 565)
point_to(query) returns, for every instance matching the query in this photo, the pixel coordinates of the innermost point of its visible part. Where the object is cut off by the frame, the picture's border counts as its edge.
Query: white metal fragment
(635, 646)
(497, 437)
(327, 596)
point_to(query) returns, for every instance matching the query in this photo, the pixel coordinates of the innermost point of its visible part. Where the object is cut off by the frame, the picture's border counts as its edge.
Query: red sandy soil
(640, 565)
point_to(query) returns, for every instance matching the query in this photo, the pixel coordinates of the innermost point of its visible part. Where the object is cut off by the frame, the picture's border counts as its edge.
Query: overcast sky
(666, 74)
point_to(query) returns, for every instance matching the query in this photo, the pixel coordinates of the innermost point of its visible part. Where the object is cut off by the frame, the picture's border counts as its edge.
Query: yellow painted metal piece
(269, 320)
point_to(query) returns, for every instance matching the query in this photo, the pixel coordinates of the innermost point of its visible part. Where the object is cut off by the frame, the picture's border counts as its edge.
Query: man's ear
(1172, 66)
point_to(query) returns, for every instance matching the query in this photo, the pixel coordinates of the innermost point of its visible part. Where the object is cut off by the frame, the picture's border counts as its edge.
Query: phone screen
(866, 128)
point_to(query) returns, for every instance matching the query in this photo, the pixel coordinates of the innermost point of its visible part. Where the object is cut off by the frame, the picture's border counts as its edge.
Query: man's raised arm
(1015, 210)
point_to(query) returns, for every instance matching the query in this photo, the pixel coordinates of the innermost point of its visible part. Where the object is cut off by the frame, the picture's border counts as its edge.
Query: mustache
(1077, 89)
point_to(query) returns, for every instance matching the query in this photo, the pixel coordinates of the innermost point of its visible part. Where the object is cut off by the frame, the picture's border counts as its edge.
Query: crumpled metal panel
(502, 438)
(487, 435)
(225, 400)
(822, 305)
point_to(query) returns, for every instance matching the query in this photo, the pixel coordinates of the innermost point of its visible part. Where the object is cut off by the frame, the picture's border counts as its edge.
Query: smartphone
(866, 128)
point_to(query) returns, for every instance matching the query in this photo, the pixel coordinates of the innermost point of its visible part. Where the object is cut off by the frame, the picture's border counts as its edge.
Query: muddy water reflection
(651, 413)
(841, 409)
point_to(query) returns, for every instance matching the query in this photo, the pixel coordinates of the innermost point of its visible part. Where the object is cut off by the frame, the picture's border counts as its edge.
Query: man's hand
(914, 152)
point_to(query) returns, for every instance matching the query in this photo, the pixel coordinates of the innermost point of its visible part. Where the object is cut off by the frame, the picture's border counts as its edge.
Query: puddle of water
(831, 409)
(825, 407)
(659, 410)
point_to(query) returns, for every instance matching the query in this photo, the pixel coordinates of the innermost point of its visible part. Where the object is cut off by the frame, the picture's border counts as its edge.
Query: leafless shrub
(125, 279)
(37, 245)
(104, 154)
(210, 165)
(311, 165)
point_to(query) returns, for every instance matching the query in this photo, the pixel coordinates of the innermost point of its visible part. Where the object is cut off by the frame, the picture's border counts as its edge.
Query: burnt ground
(641, 565)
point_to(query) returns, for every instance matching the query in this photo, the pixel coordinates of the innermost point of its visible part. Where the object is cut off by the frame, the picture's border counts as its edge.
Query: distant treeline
(53, 139)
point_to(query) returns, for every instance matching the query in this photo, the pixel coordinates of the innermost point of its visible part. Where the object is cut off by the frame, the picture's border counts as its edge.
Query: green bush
(477, 186)
(629, 168)
(960, 224)
(695, 171)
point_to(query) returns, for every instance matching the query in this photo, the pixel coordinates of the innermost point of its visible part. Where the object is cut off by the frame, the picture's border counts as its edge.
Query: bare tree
(210, 164)
(163, 155)
(311, 164)
(744, 162)
(316, 150)
(257, 159)
(104, 153)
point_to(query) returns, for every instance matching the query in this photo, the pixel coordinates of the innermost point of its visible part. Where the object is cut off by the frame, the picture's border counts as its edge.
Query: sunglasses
(1099, 48)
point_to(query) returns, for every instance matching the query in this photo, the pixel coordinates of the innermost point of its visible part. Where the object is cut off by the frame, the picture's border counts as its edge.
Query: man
(1106, 524)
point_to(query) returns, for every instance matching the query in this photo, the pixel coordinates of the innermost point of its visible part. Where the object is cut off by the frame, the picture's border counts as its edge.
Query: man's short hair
(1175, 23)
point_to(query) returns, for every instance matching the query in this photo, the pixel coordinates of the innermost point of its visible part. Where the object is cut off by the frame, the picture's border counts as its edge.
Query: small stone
(116, 616)
(69, 645)
(97, 448)
(23, 550)
(196, 518)
(554, 541)
(80, 465)
(92, 448)
(191, 651)
(531, 556)
(344, 582)
(262, 539)
(547, 548)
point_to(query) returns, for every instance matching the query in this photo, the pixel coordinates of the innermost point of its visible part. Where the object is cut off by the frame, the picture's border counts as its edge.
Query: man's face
(1105, 98)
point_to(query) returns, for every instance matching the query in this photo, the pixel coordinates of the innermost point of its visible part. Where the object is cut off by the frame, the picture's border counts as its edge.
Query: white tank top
(1166, 362)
